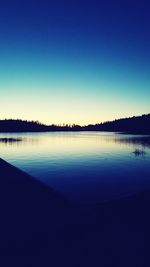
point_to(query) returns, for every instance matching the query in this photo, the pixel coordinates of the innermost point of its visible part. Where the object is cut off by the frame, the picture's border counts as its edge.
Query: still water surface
(85, 166)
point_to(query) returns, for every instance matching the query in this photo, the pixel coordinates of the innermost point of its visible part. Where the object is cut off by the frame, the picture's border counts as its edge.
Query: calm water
(85, 166)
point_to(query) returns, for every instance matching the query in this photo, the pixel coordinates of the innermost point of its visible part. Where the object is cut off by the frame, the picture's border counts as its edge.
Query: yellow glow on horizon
(68, 108)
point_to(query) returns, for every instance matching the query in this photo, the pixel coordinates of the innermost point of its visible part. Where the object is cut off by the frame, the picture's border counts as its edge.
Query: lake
(87, 167)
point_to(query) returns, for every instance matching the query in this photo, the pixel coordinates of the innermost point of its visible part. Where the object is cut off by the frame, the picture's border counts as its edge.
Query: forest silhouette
(136, 124)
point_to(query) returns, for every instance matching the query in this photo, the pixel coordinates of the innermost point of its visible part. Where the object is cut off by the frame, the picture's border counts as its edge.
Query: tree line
(136, 124)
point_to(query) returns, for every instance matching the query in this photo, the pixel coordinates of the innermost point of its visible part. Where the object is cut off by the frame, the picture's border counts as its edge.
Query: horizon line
(72, 124)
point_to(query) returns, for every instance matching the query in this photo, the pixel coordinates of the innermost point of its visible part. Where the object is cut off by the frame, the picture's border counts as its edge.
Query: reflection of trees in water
(143, 141)
(16, 141)
(10, 140)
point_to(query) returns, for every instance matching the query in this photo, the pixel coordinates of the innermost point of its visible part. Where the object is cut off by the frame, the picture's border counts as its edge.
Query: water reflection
(143, 141)
(84, 138)
(10, 140)
(91, 166)
(17, 141)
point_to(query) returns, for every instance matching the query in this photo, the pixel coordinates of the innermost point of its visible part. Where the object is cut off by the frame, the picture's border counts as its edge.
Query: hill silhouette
(138, 124)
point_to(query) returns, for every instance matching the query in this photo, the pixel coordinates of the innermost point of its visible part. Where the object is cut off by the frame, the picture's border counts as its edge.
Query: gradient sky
(74, 61)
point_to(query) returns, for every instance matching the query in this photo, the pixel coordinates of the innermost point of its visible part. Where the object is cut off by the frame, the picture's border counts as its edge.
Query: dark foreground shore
(39, 227)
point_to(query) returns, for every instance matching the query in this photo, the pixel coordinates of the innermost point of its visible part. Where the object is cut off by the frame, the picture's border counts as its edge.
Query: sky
(76, 62)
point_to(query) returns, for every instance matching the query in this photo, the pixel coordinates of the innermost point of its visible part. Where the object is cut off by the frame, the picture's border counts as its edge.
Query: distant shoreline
(133, 125)
(72, 131)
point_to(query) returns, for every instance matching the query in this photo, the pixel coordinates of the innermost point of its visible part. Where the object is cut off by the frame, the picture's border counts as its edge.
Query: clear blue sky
(74, 61)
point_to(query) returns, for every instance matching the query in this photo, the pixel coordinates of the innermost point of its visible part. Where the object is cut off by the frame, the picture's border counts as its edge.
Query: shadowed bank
(27, 206)
(39, 227)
